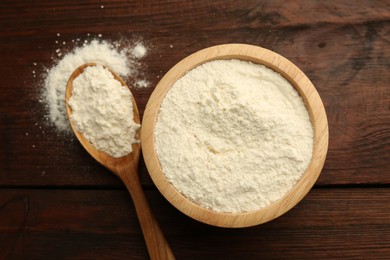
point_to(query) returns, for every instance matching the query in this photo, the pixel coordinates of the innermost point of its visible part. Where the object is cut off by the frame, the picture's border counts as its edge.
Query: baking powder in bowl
(233, 136)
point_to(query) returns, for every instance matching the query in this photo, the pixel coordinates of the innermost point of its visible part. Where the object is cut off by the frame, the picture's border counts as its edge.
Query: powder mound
(233, 136)
(122, 62)
(102, 110)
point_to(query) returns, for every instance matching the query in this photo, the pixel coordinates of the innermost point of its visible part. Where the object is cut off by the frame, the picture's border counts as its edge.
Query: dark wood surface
(57, 202)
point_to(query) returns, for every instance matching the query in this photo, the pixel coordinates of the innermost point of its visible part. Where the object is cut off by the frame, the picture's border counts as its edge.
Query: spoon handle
(156, 243)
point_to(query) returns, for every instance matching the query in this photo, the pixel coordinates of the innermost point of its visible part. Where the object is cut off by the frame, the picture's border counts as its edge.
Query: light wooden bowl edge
(299, 81)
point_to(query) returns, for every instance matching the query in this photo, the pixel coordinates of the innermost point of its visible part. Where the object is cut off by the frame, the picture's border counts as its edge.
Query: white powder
(142, 84)
(139, 51)
(100, 52)
(233, 136)
(102, 110)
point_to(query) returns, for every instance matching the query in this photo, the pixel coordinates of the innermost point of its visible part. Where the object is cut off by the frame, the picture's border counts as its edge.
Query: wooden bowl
(313, 104)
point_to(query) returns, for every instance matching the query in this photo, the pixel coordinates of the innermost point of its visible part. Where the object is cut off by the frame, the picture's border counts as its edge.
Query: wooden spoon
(126, 168)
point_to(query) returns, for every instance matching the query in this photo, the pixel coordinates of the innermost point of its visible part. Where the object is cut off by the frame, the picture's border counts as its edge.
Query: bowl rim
(312, 103)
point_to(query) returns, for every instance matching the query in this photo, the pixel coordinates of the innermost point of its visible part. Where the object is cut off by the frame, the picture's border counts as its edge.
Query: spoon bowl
(126, 168)
(115, 165)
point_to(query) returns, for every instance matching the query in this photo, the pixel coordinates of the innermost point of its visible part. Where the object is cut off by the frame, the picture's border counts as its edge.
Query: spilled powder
(123, 60)
(139, 51)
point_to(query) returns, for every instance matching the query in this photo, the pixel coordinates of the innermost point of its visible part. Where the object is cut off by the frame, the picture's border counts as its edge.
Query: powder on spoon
(100, 52)
(233, 136)
(102, 110)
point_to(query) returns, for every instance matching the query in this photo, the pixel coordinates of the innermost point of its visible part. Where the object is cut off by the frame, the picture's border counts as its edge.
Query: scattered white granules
(139, 51)
(100, 52)
(102, 110)
(233, 136)
(142, 84)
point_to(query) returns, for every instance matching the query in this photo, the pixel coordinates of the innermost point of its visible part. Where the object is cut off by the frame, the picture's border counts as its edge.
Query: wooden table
(56, 202)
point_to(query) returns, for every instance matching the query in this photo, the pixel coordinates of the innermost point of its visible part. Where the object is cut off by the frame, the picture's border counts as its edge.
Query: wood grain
(47, 180)
(342, 47)
(102, 224)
